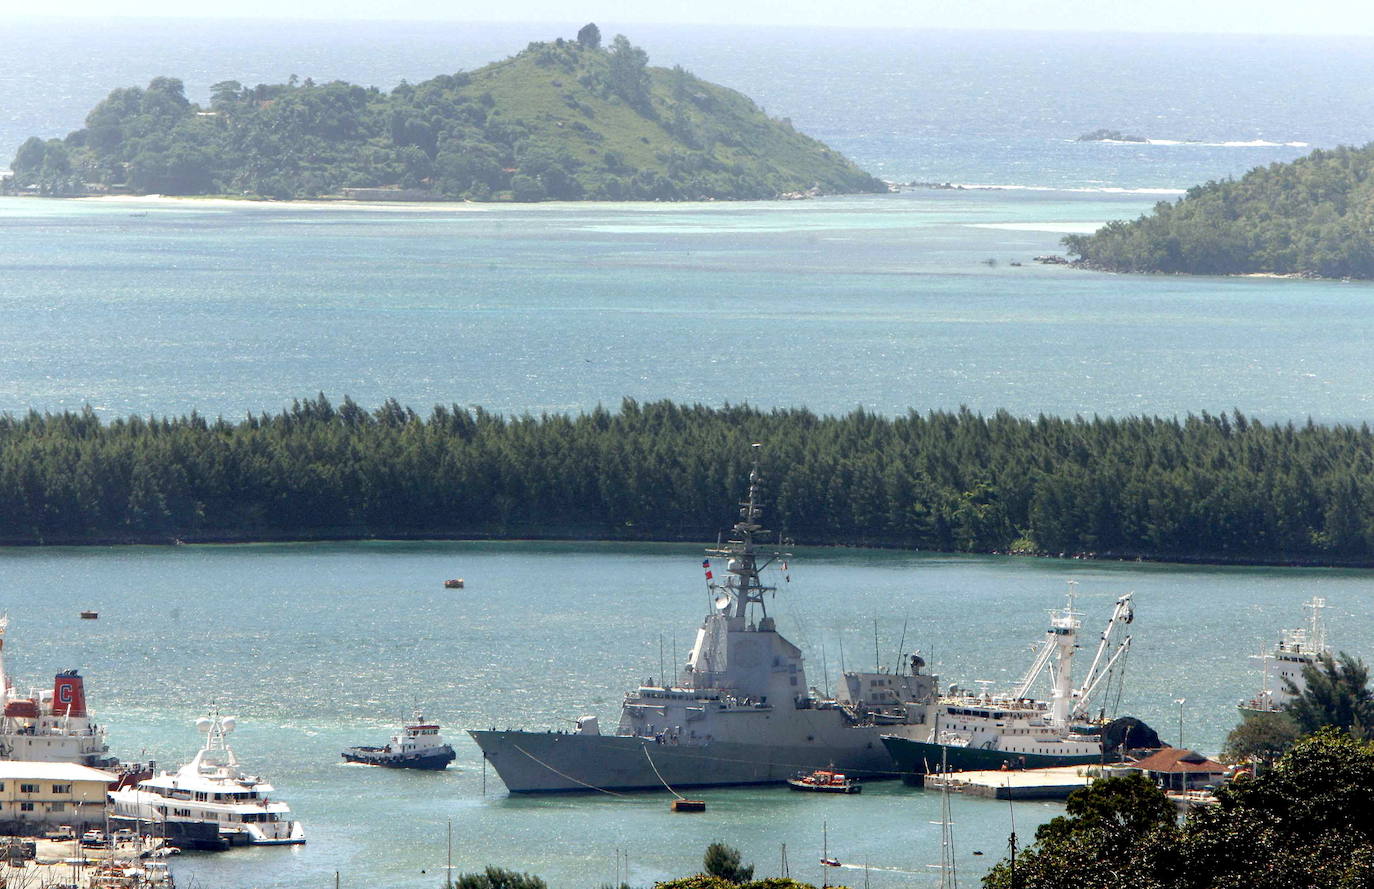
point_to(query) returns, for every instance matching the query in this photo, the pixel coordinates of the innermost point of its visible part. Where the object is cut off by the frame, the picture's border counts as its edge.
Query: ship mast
(1063, 634)
(741, 587)
(4, 677)
(1316, 637)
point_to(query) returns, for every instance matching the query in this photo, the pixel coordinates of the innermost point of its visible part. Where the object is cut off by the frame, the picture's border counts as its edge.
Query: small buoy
(689, 805)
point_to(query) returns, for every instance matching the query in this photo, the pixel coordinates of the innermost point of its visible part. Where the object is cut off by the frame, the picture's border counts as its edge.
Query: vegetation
(565, 120)
(707, 881)
(1336, 693)
(1105, 135)
(1214, 487)
(1304, 824)
(496, 878)
(1261, 738)
(723, 861)
(1308, 217)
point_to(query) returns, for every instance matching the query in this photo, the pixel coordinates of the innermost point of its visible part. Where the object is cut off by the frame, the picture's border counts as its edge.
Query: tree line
(1222, 487)
(1311, 216)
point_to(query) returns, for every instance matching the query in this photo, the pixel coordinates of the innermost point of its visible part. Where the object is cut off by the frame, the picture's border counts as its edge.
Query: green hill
(566, 120)
(1312, 216)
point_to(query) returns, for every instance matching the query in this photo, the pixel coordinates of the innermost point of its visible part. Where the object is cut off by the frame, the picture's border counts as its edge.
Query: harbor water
(321, 646)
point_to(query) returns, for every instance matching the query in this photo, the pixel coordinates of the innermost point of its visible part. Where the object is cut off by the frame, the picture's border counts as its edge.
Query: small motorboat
(90, 615)
(417, 745)
(454, 584)
(830, 862)
(825, 781)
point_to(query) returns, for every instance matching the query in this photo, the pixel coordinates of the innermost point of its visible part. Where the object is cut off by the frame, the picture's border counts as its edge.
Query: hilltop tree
(629, 75)
(589, 36)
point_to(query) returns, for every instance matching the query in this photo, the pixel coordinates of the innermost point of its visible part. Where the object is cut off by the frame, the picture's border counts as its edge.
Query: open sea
(920, 300)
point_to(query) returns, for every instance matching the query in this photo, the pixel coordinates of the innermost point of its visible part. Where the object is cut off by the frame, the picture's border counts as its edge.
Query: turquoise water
(887, 302)
(317, 647)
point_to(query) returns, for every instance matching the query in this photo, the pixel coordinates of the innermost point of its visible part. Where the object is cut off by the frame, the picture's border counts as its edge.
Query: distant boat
(454, 584)
(824, 781)
(417, 745)
(90, 615)
(1296, 650)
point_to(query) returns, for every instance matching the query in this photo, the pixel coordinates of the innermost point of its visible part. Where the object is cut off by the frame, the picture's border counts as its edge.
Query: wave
(1058, 228)
(1252, 143)
(1076, 189)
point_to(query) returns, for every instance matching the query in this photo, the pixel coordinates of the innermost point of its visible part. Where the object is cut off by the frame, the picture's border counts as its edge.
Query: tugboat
(49, 725)
(825, 781)
(738, 712)
(1296, 649)
(418, 745)
(987, 731)
(209, 795)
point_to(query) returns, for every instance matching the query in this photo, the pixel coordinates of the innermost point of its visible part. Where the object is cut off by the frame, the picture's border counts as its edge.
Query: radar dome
(229, 723)
(203, 724)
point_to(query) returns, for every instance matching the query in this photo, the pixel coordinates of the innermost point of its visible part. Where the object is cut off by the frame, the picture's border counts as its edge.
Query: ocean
(926, 299)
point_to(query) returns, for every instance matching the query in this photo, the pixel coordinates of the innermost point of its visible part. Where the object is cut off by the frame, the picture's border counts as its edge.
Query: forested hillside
(1212, 487)
(566, 120)
(1313, 216)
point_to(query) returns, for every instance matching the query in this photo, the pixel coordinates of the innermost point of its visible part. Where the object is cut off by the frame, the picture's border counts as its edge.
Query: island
(1309, 217)
(561, 120)
(1104, 135)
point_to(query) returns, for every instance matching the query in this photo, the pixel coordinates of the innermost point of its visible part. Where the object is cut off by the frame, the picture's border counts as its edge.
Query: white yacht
(1296, 649)
(211, 788)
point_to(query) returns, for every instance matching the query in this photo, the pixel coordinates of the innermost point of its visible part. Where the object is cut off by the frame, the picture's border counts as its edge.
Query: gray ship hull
(535, 762)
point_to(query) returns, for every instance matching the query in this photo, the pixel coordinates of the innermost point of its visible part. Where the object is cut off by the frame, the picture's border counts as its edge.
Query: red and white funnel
(68, 695)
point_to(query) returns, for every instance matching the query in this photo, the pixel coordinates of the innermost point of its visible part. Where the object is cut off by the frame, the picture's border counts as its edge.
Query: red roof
(1177, 759)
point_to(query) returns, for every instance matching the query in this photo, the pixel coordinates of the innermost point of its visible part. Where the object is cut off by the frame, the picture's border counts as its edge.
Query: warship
(992, 731)
(739, 712)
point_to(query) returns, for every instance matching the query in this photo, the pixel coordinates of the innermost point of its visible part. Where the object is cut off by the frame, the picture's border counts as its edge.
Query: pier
(1038, 784)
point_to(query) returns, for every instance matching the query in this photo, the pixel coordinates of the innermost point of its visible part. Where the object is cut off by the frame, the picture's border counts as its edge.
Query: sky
(1340, 17)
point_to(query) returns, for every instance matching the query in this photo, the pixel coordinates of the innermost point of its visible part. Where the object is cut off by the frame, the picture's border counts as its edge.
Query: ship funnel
(68, 695)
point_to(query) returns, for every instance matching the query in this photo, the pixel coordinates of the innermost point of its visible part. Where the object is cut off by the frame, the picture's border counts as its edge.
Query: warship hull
(535, 762)
(918, 757)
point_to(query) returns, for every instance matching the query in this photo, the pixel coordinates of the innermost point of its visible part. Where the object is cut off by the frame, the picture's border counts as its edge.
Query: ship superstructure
(1296, 649)
(739, 712)
(983, 730)
(49, 725)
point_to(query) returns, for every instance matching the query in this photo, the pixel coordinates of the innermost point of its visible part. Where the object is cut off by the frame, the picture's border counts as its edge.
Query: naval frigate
(740, 710)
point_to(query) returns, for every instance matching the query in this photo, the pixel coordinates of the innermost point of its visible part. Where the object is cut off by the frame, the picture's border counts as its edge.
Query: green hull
(918, 757)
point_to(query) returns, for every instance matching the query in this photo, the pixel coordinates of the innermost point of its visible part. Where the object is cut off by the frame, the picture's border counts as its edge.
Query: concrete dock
(1053, 783)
